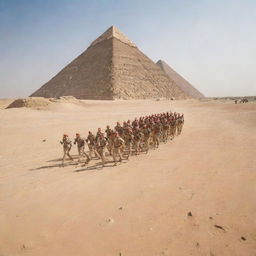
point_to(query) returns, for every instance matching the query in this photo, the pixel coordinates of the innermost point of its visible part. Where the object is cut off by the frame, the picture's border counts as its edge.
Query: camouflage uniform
(146, 131)
(172, 127)
(138, 137)
(155, 135)
(165, 131)
(100, 146)
(180, 122)
(118, 145)
(67, 145)
(109, 133)
(91, 140)
(120, 130)
(80, 147)
(128, 138)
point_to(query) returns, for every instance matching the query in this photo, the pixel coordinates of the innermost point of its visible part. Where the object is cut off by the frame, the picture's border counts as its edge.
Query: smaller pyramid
(186, 87)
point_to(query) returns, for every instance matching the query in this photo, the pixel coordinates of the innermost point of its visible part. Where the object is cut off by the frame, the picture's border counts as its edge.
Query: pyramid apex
(113, 32)
(161, 62)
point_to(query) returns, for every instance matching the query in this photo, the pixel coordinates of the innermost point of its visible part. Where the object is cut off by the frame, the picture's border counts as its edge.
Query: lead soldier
(67, 145)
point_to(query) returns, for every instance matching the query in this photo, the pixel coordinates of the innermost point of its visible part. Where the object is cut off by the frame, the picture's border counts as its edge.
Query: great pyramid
(186, 87)
(112, 67)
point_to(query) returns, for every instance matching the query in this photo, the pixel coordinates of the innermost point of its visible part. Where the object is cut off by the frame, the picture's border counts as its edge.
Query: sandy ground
(140, 207)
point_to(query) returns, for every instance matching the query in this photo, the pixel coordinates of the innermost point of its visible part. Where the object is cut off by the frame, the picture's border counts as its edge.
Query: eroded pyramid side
(86, 77)
(135, 76)
(188, 88)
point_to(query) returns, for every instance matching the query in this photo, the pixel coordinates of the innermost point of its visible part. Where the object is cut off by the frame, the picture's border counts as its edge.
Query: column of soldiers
(132, 137)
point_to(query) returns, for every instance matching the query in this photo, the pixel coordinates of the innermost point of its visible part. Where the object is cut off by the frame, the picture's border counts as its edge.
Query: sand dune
(139, 208)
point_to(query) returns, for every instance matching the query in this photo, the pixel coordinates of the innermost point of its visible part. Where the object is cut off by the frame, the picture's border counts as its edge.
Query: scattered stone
(190, 214)
(211, 218)
(220, 227)
(197, 244)
(110, 220)
(243, 238)
(120, 208)
(43, 140)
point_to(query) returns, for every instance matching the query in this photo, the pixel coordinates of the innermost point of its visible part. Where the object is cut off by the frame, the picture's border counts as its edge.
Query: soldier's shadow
(95, 166)
(99, 166)
(60, 165)
(60, 159)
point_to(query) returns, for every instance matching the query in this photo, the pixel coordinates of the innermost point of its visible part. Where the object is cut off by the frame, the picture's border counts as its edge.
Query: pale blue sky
(212, 43)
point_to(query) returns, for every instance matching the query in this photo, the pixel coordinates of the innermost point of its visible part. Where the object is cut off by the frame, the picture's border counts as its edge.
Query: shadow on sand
(85, 167)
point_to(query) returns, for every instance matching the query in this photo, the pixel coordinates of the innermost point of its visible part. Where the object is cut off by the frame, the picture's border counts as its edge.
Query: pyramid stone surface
(186, 87)
(112, 67)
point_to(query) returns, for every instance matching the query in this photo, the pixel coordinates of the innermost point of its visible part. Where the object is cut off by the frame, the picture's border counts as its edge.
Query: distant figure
(155, 135)
(235, 101)
(244, 100)
(180, 122)
(67, 145)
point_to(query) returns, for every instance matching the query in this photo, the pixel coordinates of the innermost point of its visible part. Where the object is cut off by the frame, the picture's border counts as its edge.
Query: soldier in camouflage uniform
(80, 147)
(109, 133)
(172, 127)
(99, 133)
(118, 147)
(180, 122)
(91, 141)
(101, 144)
(67, 145)
(137, 140)
(128, 138)
(146, 132)
(156, 134)
(165, 130)
(119, 129)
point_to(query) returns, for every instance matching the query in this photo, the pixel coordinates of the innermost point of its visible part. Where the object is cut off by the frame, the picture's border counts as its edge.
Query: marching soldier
(172, 127)
(146, 131)
(180, 122)
(99, 133)
(91, 141)
(101, 144)
(138, 137)
(67, 145)
(109, 133)
(165, 130)
(155, 135)
(119, 129)
(128, 138)
(80, 147)
(118, 145)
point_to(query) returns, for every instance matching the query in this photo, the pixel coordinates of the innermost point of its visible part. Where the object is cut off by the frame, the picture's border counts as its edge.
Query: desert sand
(140, 207)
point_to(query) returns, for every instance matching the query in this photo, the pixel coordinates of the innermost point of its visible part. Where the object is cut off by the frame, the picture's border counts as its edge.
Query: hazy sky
(212, 43)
